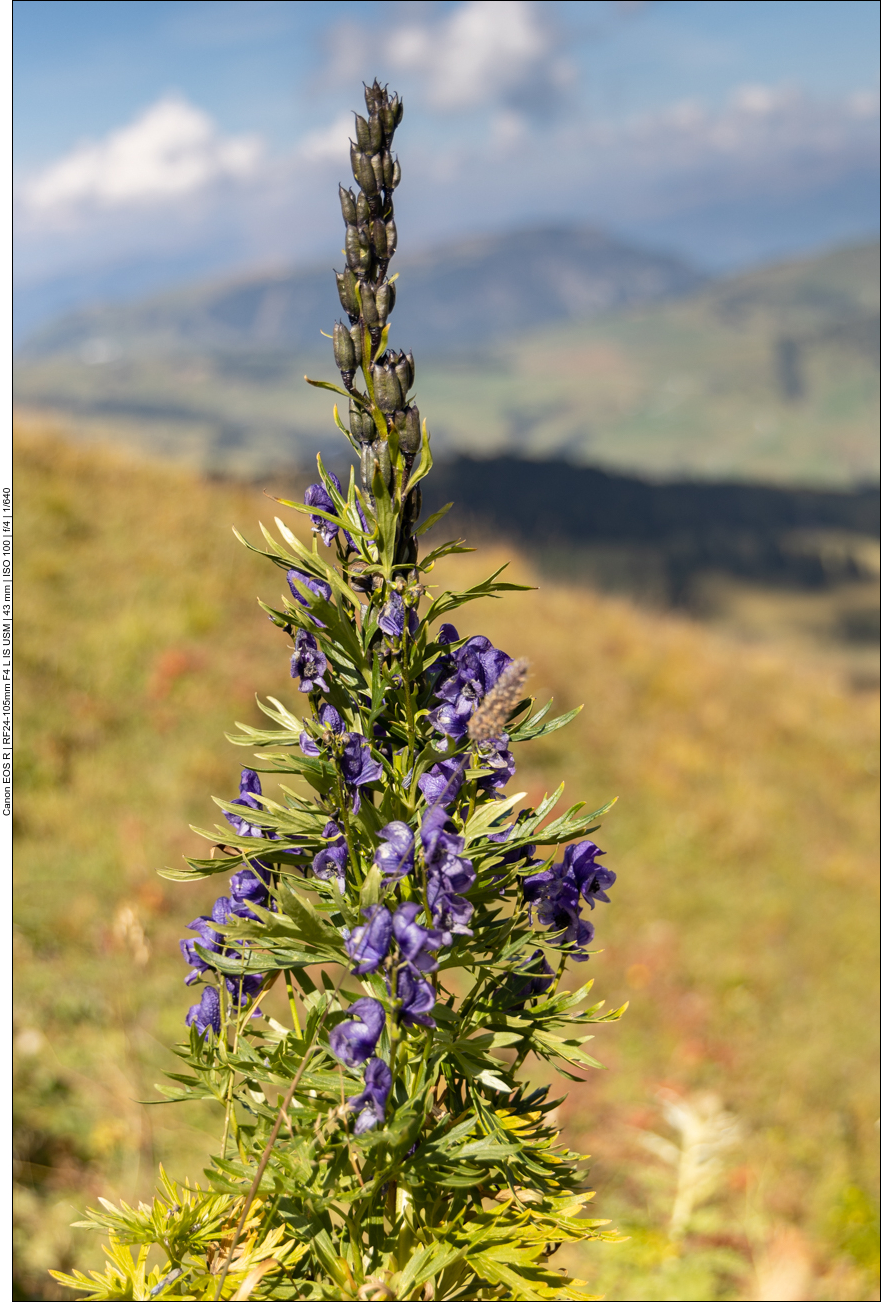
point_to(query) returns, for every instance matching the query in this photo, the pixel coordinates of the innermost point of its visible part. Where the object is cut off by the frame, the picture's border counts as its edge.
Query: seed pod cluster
(368, 299)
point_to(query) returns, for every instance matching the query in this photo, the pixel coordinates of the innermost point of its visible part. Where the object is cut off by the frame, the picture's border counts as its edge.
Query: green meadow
(743, 928)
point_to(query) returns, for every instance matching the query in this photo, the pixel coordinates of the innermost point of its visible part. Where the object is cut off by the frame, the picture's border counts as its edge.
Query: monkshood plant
(380, 1143)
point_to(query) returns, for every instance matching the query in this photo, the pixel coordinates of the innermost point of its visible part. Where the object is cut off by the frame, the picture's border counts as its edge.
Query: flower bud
(410, 435)
(378, 238)
(355, 333)
(362, 132)
(388, 170)
(387, 389)
(362, 208)
(402, 371)
(397, 107)
(347, 203)
(368, 304)
(396, 175)
(383, 460)
(391, 236)
(387, 116)
(368, 428)
(359, 254)
(385, 301)
(375, 164)
(345, 283)
(343, 348)
(375, 456)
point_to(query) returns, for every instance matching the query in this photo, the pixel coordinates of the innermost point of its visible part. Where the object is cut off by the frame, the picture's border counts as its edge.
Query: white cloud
(328, 144)
(170, 151)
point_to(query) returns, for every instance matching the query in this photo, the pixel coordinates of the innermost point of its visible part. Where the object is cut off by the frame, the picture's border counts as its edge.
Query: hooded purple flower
(371, 1103)
(554, 895)
(368, 945)
(591, 879)
(417, 999)
(537, 980)
(441, 667)
(472, 671)
(332, 861)
(244, 988)
(442, 782)
(415, 941)
(393, 616)
(317, 587)
(395, 858)
(248, 887)
(330, 721)
(317, 495)
(354, 1042)
(206, 1013)
(249, 787)
(308, 663)
(209, 938)
(358, 765)
(448, 875)
(495, 755)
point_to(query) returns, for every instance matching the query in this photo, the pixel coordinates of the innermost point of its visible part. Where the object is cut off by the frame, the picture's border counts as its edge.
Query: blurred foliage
(744, 926)
(769, 375)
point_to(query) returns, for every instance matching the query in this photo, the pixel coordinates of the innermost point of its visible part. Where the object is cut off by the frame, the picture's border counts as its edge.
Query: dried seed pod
(410, 434)
(362, 132)
(396, 175)
(375, 164)
(355, 333)
(378, 238)
(359, 254)
(374, 133)
(362, 208)
(363, 172)
(385, 301)
(355, 426)
(345, 283)
(347, 203)
(368, 427)
(386, 388)
(402, 371)
(391, 236)
(368, 304)
(388, 170)
(412, 366)
(383, 460)
(343, 348)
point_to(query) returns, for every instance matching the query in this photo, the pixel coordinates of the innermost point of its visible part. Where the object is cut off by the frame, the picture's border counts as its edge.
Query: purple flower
(393, 616)
(249, 787)
(470, 673)
(448, 875)
(330, 720)
(248, 887)
(447, 634)
(441, 783)
(209, 938)
(332, 861)
(417, 999)
(555, 896)
(317, 495)
(538, 978)
(395, 858)
(371, 1103)
(246, 987)
(308, 663)
(368, 945)
(452, 719)
(591, 879)
(495, 755)
(206, 1013)
(354, 1042)
(317, 587)
(415, 941)
(358, 765)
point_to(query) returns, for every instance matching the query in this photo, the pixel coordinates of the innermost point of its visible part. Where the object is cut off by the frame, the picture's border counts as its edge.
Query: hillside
(743, 927)
(767, 376)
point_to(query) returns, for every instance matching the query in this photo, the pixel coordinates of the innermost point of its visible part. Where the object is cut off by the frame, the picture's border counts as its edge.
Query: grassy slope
(684, 388)
(743, 926)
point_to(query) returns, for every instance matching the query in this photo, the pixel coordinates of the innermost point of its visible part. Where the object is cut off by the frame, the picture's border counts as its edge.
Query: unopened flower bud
(376, 168)
(377, 236)
(343, 348)
(396, 175)
(347, 203)
(387, 115)
(397, 107)
(387, 389)
(359, 254)
(368, 427)
(391, 236)
(368, 304)
(362, 207)
(375, 456)
(388, 170)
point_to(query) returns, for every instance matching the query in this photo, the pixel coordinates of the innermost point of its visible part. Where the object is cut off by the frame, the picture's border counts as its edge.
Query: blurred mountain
(451, 297)
(770, 376)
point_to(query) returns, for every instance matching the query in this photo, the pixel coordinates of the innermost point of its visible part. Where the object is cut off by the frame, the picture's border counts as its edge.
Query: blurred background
(638, 266)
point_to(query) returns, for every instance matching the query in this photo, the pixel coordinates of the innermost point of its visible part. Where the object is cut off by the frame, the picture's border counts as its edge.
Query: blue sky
(187, 137)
